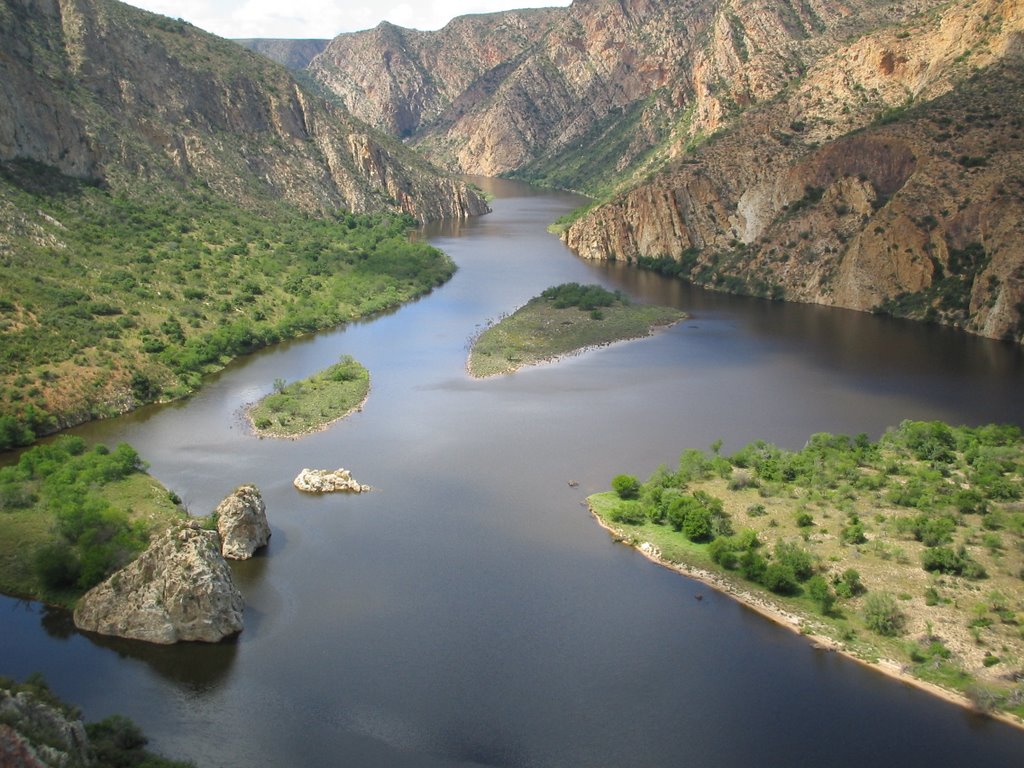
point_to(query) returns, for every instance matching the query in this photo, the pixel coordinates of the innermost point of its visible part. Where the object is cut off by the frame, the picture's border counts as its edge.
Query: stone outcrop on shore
(328, 481)
(37, 734)
(242, 523)
(179, 589)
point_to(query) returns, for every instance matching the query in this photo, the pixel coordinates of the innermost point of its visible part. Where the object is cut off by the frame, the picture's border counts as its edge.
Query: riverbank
(312, 404)
(906, 553)
(795, 622)
(562, 321)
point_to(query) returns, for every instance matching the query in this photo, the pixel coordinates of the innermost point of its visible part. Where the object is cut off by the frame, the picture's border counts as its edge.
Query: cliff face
(891, 177)
(103, 91)
(293, 54)
(851, 153)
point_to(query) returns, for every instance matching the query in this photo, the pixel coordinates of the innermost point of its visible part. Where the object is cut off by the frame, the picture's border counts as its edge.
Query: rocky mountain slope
(293, 54)
(818, 117)
(165, 192)
(890, 178)
(103, 91)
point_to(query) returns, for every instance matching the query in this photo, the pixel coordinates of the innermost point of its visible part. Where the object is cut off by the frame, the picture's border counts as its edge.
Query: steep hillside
(403, 80)
(889, 178)
(772, 148)
(293, 54)
(169, 200)
(101, 90)
(577, 97)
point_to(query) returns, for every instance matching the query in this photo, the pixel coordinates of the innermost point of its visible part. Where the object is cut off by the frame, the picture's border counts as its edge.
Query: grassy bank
(907, 553)
(71, 516)
(309, 405)
(560, 321)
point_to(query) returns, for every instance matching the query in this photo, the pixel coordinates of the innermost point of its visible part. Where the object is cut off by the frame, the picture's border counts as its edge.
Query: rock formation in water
(854, 154)
(125, 98)
(179, 589)
(328, 481)
(242, 523)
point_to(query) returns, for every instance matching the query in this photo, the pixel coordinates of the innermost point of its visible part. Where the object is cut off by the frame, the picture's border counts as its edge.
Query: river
(468, 611)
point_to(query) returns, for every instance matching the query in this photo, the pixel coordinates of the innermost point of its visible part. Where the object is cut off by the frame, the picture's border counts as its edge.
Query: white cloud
(322, 18)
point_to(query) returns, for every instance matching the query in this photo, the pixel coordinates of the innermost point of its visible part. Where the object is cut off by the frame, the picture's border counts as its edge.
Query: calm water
(469, 612)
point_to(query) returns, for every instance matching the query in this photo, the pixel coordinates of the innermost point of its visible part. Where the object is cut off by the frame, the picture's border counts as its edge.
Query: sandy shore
(795, 623)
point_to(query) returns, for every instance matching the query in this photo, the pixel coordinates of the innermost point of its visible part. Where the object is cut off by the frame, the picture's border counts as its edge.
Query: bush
(849, 584)
(883, 615)
(779, 578)
(626, 486)
(821, 593)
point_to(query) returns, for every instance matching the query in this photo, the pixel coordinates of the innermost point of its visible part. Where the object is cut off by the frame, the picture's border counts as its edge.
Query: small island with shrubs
(906, 553)
(563, 319)
(312, 404)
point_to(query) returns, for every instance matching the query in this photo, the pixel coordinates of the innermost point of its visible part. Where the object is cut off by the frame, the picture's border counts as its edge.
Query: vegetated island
(312, 404)
(906, 553)
(563, 319)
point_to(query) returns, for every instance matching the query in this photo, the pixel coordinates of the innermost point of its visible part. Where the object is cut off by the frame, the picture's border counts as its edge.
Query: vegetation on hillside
(909, 548)
(311, 404)
(108, 302)
(70, 516)
(563, 319)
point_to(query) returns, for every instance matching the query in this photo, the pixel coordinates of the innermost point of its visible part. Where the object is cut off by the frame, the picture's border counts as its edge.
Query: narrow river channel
(468, 611)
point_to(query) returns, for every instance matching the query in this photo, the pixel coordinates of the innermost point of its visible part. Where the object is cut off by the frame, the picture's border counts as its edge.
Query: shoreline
(793, 622)
(572, 352)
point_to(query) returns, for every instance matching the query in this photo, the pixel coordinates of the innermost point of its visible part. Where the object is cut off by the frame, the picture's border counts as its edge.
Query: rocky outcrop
(846, 193)
(179, 589)
(854, 154)
(531, 92)
(109, 93)
(328, 481)
(38, 734)
(293, 54)
(242, 523)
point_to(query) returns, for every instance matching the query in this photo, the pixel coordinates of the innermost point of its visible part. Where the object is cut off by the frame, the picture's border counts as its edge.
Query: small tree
(882, 614)
(626, 486)
(821, 593)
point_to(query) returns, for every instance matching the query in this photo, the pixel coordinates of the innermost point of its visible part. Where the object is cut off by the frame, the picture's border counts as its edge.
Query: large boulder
(328, 481)
(179, 589)
(242, 523)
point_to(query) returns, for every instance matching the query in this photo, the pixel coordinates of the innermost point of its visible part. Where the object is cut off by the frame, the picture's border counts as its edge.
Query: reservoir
(469, 611)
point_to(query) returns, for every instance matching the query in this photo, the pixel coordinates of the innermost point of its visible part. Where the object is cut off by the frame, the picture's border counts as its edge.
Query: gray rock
(179, 589)
(242, 523)
(328, 481)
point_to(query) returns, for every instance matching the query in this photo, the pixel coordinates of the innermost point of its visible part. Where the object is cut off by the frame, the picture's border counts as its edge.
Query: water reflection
(192, 667)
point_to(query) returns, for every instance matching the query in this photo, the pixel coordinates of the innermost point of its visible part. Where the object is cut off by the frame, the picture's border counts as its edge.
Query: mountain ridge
(654, 109)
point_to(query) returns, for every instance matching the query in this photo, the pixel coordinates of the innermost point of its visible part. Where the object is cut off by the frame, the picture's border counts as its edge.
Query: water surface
(469, 612)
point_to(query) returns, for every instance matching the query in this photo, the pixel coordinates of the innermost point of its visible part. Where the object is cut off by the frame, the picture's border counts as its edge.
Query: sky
(323, 18)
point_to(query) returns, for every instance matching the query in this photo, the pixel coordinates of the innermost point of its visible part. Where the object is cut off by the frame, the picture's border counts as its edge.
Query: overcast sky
(323, 18)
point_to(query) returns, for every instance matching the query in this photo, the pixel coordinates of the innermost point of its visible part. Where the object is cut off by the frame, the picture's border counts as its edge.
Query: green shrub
(626, 486)
(883, 615)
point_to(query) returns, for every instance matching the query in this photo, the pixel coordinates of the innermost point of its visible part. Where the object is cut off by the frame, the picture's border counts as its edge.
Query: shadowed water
(469, 612)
